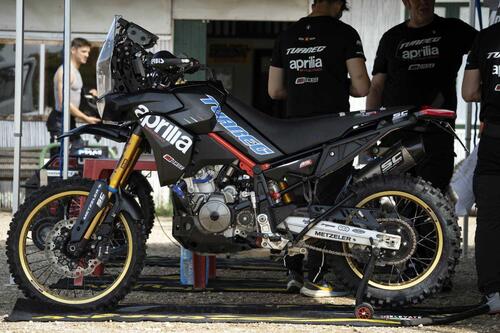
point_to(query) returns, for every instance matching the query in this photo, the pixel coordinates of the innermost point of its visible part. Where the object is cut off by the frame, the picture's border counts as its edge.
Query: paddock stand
(364, 310)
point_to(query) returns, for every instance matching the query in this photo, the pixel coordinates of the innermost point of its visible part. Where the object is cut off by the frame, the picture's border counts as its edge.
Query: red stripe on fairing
(245, 163)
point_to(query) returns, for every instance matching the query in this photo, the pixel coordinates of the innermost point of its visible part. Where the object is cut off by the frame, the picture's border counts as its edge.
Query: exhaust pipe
(397, 160)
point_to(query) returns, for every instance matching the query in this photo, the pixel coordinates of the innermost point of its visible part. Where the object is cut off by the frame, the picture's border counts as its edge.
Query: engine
(216, 208)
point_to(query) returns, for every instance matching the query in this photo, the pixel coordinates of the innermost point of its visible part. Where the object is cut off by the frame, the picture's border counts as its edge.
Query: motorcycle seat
(295, 135)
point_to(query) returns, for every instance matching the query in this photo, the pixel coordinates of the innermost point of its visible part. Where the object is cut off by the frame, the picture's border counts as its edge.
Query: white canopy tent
(66, 114)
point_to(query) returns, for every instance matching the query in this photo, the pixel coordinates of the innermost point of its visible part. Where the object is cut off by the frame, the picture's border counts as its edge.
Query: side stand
(364, 310)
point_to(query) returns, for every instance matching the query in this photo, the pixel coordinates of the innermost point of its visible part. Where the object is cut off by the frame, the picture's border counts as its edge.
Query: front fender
(132, 207)
(112, 132)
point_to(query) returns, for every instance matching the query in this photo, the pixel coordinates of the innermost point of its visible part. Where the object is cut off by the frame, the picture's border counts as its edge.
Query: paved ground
(464, 292)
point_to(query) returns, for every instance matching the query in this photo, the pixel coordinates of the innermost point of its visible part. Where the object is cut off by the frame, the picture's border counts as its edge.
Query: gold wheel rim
(42, 289)
(437, 256)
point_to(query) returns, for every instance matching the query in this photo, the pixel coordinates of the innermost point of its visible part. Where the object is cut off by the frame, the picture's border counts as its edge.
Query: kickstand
(364, 310)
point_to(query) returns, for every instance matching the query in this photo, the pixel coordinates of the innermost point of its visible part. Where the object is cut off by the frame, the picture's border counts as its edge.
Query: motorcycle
(232, 172)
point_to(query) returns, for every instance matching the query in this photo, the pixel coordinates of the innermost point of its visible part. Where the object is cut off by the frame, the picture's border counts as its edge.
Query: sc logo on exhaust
(392, 163)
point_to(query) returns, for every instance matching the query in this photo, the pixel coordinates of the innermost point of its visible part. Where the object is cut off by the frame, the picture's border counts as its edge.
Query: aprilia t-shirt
(313, 54)
(422, 63)
(485, 56)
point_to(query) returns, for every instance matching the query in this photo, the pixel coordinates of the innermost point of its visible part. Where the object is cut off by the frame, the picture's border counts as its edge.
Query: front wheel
(42, 267)
(420, 214)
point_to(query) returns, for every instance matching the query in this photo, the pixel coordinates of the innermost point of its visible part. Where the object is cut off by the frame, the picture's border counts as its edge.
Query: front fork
(95, 211)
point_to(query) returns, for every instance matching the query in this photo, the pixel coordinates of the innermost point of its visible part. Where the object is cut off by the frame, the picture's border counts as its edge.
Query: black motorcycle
(234, 174)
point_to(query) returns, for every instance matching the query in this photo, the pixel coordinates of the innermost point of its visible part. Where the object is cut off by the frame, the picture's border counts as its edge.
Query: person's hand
(93, 92)
(92, 120)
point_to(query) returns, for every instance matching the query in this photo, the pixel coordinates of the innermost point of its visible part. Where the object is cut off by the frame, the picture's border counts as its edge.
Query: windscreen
(103, 67)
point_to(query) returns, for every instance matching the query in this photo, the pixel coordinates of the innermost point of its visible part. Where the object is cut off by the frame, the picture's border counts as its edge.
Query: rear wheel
(50, 273)
(420, 214)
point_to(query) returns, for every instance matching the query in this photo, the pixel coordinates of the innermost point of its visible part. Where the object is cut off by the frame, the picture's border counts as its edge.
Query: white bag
(461, 184)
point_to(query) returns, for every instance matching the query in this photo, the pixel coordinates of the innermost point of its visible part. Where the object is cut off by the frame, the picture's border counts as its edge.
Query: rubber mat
(171, 283)
(28, 310)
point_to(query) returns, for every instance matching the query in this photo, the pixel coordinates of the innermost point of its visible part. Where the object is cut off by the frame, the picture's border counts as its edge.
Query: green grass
(166, 210)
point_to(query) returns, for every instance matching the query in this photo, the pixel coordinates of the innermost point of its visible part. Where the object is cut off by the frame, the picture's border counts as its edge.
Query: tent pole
(18, 102)
(66, 84)
(41, 80)
(468, 131)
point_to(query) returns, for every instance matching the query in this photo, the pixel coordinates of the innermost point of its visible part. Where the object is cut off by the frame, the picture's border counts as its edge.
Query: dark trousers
(55, 127)
(487, 193)
(328, 190)
(438, 165)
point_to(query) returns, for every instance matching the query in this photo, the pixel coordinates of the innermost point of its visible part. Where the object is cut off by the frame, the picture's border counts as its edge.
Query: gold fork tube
(126, 161)
(125, 165)
(131, 166)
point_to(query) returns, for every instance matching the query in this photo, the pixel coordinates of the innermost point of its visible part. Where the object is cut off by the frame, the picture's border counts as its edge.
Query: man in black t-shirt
(482, 83)
(310, 68)
(417, 64)
(312, 60)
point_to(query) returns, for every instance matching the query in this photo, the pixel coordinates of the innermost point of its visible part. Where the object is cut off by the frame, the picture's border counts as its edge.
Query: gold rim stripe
(42, 289)
(437, 256)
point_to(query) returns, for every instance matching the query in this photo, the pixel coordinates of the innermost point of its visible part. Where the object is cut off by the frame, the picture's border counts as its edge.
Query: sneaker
(321, 289)
(295, 282)
(493, 301)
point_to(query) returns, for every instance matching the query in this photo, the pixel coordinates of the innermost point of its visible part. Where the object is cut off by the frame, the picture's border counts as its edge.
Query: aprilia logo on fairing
(248, 140)
(167, 131)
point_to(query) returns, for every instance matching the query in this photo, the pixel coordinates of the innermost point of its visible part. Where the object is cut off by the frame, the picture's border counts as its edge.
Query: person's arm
(379, 72)
(355, 63)
(276, 85)
(374, 99)
(75, 112)
(360, 82)
(471, 86)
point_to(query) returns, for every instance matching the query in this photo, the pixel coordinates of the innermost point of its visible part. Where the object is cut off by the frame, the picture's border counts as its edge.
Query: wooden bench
(29, 162)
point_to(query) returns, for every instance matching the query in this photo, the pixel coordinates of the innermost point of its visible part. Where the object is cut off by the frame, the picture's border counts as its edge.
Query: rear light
(436, 113)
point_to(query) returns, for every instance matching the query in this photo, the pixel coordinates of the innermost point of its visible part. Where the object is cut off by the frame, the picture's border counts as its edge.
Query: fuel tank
(230, 125)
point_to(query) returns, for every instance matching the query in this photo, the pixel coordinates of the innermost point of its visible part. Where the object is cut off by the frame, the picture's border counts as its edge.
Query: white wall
(88, 16)
(372, 18)
(246, 10)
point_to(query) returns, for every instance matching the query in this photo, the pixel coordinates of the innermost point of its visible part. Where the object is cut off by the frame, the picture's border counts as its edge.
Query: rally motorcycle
(239, 180)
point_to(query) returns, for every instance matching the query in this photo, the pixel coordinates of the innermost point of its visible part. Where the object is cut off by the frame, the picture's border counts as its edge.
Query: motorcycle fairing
(118, 106)
(172, 147)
